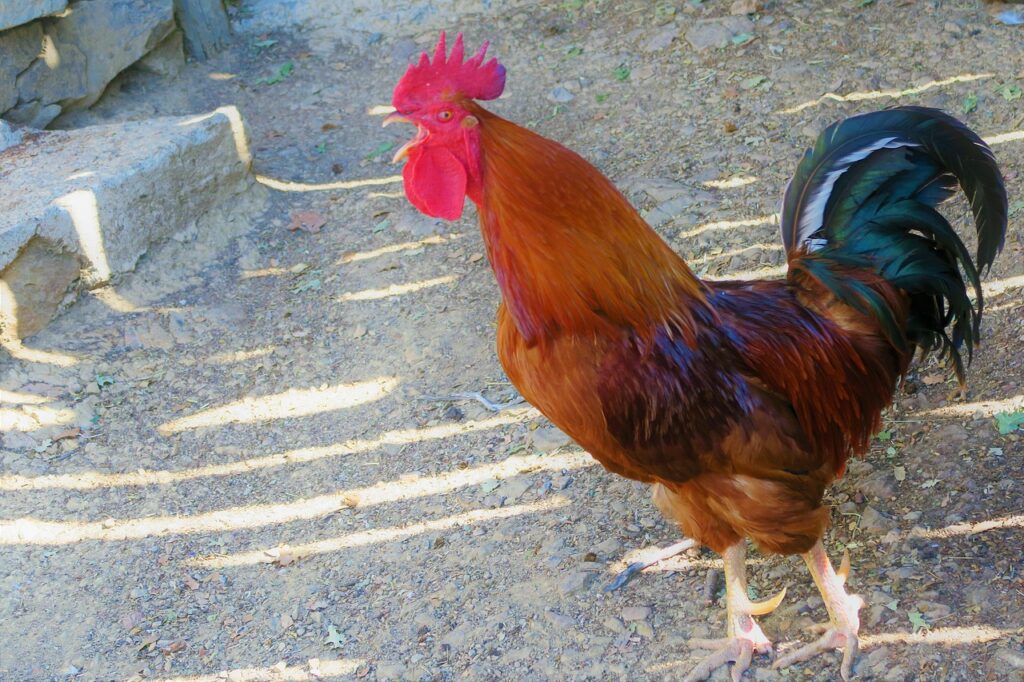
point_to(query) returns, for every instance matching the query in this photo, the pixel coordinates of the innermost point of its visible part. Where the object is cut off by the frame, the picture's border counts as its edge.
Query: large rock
(17, 12)
(81, 52)
(80, 207)
(19, 47)
(9, 136)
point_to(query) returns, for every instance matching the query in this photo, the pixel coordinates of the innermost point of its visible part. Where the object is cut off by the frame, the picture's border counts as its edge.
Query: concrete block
(99, 197)
(17, 12)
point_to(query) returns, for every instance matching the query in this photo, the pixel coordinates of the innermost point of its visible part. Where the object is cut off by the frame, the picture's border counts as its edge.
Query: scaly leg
(842, 611)
(744, 634)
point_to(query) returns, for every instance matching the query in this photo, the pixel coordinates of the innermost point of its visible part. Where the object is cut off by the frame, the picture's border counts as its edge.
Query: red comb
(449, 76)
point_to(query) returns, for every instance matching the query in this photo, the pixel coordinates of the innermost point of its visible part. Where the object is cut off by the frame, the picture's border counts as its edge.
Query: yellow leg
(842, 608)
(745, 637)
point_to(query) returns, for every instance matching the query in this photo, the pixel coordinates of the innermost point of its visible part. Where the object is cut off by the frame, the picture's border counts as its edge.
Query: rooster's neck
(569, 252)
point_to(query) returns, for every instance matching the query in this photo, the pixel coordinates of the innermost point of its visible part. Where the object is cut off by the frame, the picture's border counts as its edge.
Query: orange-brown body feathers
(737, 398)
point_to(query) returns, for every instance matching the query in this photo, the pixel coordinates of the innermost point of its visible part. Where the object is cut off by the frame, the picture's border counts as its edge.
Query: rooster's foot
(745, 636)
(736, 650)
(843, 611)
(834, 638)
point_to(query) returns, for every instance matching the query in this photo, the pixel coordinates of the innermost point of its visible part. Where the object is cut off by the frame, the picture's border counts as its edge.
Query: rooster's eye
(444, 116)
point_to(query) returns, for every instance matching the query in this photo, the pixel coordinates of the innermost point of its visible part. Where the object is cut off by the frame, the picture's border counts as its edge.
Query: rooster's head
(435, 95)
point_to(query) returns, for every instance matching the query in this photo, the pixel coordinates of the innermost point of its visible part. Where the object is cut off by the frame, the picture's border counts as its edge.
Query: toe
(742, 659)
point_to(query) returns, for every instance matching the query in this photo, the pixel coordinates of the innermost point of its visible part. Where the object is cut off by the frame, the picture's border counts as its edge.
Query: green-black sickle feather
(865, 196)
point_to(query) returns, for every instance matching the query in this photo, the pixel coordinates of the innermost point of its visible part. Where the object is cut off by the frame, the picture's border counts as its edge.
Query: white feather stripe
(813, 214)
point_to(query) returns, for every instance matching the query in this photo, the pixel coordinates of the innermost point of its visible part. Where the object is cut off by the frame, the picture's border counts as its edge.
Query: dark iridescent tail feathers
(865, 197)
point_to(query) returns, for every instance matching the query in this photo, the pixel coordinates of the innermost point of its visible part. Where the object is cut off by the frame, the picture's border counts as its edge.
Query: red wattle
(435, 182)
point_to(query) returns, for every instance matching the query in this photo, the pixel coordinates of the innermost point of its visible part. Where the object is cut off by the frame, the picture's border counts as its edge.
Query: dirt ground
(240, 464)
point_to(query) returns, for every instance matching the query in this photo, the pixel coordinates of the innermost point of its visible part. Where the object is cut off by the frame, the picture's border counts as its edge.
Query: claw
(844, 567)
(832, 639)
(738, 651)
(763, 608)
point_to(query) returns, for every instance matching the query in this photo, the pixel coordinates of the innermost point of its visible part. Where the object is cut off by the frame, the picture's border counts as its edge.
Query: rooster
(739, 401)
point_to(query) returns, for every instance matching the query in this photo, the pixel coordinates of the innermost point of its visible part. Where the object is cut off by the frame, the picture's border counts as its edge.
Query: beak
(394, 117)
(403, 151)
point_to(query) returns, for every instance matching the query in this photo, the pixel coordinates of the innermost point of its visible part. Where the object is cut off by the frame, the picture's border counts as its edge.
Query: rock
(561, 482)
(950, 437)
(558, 620)
(644, 629)
(669, 209)
(658, 189)
(636, 613)
(17, 440)
(167, 59)
(17, 12)
(560, 94)
(1009, 659)
(514, 488)
(707, 34)
(896, 673)
(661, 39)
(859, 467)
(933, 611)
(743, 7)
(614, 624)
(457, 638)
(84, 205)
(548, 439)
(608, 548)
(880, 484)
(86, 47)
(19, 47)
(873, 521)
(38, 280)
(390, 670)
(577, 581)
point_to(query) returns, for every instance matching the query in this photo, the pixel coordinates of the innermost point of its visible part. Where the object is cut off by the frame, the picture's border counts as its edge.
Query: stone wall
(59, 55)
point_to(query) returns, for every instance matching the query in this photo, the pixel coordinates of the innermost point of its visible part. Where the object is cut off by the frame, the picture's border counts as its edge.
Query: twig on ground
(477, 396)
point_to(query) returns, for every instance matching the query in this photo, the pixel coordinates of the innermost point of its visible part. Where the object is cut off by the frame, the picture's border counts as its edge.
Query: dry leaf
(932, 379)
(69, 433)
(310, 221)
